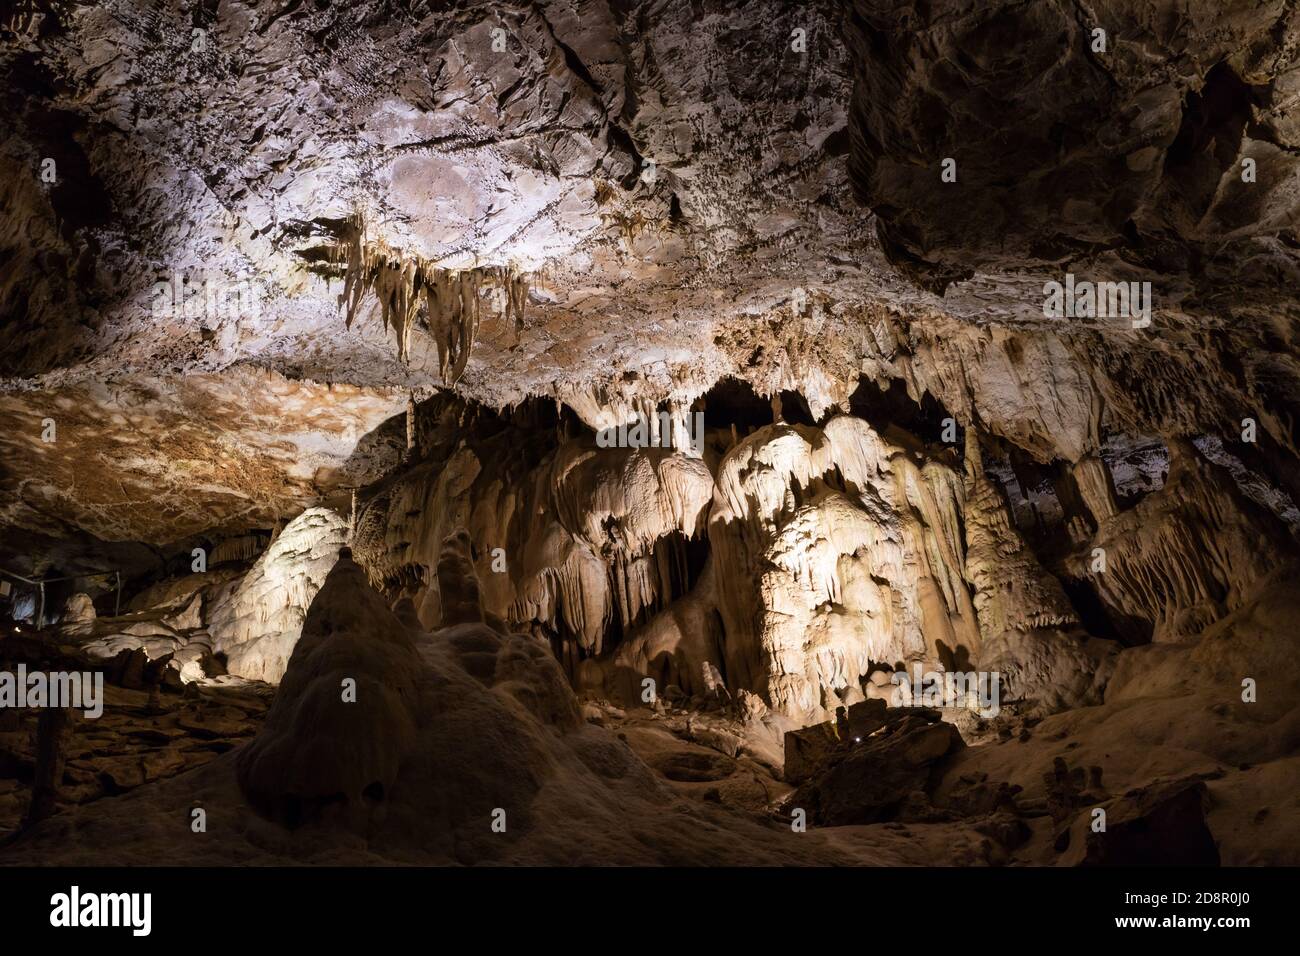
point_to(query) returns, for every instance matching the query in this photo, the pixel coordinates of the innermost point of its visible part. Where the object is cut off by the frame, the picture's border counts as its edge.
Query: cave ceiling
(689, 192)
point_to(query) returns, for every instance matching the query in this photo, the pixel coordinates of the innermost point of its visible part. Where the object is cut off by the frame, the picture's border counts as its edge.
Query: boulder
(1163, 823)
(869, 782)
(805, 749)
(866, 717)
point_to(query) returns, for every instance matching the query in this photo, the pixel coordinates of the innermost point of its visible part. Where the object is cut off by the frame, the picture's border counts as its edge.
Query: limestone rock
(344, 717)
(699, 362)
(805, 749)
(1158, 114)
(78, 616)
(868, 782)
(1033, 641)
(840, 551)
(1185, 555)
(257, 624)
(1163, 823)
(79, 609)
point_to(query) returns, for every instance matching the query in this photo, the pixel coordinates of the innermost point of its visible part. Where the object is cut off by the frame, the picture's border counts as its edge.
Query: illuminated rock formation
(684, 372)
(410, 288)
(1186, 555)
(257, 622)
(837, 551)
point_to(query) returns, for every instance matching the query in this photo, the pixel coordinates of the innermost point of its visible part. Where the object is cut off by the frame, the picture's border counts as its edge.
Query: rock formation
(256, 623)
(661, 423)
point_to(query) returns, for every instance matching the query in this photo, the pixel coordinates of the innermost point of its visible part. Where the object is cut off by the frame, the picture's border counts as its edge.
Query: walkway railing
(39, 584)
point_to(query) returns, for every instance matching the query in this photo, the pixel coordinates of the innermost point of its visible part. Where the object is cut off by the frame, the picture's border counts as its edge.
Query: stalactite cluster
(411, 289)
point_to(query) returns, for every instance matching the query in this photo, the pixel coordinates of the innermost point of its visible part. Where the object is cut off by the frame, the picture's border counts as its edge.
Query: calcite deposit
(585, 432)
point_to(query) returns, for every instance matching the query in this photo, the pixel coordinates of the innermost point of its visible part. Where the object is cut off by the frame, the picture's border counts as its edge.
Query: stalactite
(240, 548)
(516, 286)
(410, 437)
(403, 284)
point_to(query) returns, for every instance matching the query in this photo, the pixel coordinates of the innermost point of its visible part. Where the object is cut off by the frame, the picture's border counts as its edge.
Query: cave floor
(1173, 712)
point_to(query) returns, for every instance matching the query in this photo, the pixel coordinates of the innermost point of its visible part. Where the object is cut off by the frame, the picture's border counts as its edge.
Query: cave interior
(590, 432)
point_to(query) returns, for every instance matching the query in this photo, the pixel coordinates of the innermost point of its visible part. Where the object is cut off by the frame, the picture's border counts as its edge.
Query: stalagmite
(1030, 631)
(410, 424)
(457, 582)
(1096, 487)
(53, 730)
(257, 622)
(1013, 592)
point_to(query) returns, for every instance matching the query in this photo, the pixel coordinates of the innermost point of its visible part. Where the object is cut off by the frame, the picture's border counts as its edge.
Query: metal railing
(39, 584)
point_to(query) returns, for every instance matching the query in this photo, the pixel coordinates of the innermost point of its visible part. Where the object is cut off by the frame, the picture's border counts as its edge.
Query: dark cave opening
(892, 407)
(1097, 619)
(794, 409)
(1209, 137)
(733, 401)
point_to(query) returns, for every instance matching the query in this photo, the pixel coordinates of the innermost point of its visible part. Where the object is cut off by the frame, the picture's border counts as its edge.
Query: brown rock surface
(393, 288)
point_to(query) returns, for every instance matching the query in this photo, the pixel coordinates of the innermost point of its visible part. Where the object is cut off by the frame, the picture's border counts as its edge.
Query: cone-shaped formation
(457, 582)
(344, 715)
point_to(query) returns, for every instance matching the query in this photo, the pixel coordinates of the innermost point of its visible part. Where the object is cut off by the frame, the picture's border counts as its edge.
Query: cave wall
(795, 561)
(793, 556)
(1069, 142)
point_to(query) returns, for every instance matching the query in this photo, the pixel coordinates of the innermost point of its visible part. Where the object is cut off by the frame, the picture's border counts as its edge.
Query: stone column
(1096, 487)
(53, 728)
